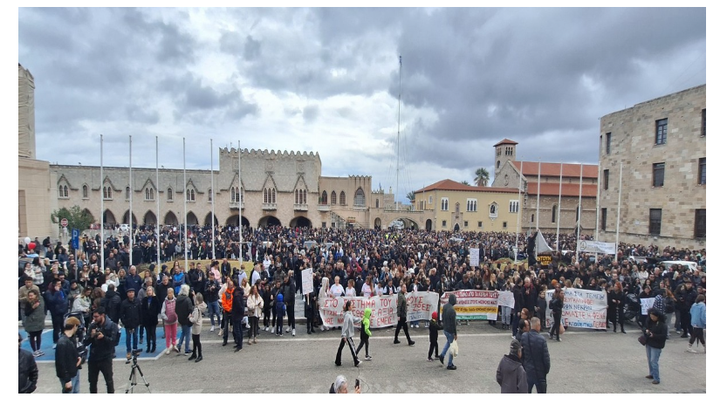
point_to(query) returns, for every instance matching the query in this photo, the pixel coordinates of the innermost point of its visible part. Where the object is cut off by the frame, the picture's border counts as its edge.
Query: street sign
(75, 239)
(63, 222)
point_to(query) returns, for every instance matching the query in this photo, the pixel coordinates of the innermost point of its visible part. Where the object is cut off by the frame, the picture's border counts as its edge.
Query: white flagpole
(397, 165)
(185, 226)
(102, 210)
(517, 224)
(597, 211)
(212, 191)
(537, 208)
(557, 234)
(157, 199)
(577, 238)
(240, 205)
(617, 225)
(130, 215)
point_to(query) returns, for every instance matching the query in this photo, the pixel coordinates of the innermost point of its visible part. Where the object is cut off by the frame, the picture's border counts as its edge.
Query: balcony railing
(236, 205)
(301, 207)
(269, 206)
(324, 208)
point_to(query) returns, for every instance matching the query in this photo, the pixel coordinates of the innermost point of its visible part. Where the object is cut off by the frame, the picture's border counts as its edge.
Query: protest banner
(646, 304)
(307, 281)
(591, 246)
(474, 304)
(474, 257)
(581, 308)
(420, 306)
(506, 298)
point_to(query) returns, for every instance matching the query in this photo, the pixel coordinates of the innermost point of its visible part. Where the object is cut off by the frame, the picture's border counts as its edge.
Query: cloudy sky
(327, 80)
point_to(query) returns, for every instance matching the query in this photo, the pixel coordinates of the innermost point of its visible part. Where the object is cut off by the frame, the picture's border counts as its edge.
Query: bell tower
(504, 151)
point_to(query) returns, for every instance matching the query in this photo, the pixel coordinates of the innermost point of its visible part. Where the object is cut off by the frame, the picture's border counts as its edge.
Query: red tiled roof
(530, 170)
(450, 185)
(553, 189)
(505, 141)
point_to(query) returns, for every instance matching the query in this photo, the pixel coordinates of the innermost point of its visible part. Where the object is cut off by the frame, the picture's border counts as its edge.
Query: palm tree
(411, 196)
(482, 176)
(465, 183)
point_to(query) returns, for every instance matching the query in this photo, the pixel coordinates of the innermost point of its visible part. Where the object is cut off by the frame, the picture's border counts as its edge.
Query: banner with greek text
(592, 246)
(646, 304)
(582, 308)
(420, 306)
(474, 304)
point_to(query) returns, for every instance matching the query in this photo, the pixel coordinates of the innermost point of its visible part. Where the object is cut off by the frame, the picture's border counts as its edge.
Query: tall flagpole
(557, 233)
(212, 192)
(185, 226)
(597, 211)
(517, 224)
(240, 206)
(102, 210)
(397, 165)
(130, 213)
(617, 225)
(577, 238)
(157, 199)
(537, 207)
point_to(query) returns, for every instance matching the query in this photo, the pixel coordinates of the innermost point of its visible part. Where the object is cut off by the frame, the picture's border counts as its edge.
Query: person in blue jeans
(184, 308)
(212, 287)
(656, 333)
(449, 328)
(130, 318)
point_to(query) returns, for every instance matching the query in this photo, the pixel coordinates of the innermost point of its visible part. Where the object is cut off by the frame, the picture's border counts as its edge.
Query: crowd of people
(357, 262)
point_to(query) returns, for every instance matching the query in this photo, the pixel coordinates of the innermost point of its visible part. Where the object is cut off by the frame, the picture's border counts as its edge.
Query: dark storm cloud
(523, 73)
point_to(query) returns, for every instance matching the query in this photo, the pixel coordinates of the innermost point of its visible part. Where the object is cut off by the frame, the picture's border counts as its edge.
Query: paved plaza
(585, 361)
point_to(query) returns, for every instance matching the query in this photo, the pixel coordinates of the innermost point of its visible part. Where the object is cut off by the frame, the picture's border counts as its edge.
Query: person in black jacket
(150, 307)
(67, 359)
(111, 303)
(27, 370)
(289, 290)
(449, 328)
(535, 357)
(655, 332)
(130, 318)
(616, 305)
(556, 305)
(519, 304)
(101, 338)
(238, 312)
(184, 308)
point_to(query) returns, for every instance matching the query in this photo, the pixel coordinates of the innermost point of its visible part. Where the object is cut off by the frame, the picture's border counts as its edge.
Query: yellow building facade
(455, 206)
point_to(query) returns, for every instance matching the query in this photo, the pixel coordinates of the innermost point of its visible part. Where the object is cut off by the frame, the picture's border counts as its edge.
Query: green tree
(77, 218)
(411, 196)
(465, 183)
(482, 176)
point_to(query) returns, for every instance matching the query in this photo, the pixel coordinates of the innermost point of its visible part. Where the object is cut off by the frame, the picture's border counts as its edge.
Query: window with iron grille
(699, 223)
(655, 222)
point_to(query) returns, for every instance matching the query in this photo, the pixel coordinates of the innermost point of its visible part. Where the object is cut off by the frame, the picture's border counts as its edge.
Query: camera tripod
(132, 381)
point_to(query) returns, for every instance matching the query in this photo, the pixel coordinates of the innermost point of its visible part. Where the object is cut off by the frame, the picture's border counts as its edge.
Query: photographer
(67, 358)
(101, 338)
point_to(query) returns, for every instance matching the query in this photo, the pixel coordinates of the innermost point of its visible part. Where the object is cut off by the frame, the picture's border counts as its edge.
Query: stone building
(659, 145)
(35, 181)
(559, 186)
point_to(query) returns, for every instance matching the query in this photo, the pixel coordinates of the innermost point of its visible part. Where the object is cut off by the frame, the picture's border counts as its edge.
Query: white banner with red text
(420, 306)
(582, 309)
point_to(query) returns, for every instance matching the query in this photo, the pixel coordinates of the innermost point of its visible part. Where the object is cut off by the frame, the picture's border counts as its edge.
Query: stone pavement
(585, 362)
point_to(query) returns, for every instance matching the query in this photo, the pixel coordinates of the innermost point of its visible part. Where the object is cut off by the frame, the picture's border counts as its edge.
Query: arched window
(359, 199)
(265, 196)
(107, 192)
(553, 215)
(210, 195)
(333, 198)
(127, 193)
(377, 203)
(323, 198)
(190, 195)
(147, 194)
(85, 191)
(237, 195)
(342, 198)
(169, 194)
(304, 196)
(60, 191)
(297, 196)
(273, 195)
